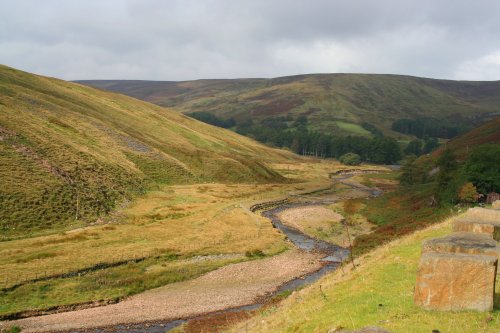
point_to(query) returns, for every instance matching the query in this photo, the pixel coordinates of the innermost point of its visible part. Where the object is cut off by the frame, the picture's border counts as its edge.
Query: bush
(468, 193)
(350, 159)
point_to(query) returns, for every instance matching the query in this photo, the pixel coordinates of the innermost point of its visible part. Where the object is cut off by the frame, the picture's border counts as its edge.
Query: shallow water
(333, 257)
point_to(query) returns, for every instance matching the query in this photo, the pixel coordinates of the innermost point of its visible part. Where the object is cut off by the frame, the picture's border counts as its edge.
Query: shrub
(350, 159)
(468, 193)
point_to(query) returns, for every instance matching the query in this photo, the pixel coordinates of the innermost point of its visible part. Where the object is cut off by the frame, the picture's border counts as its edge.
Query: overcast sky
(192, 39)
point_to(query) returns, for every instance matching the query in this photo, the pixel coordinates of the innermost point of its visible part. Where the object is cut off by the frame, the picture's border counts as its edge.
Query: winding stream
(333, 257)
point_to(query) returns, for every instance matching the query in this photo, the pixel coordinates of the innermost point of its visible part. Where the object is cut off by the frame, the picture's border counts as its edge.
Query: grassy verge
(378, 293)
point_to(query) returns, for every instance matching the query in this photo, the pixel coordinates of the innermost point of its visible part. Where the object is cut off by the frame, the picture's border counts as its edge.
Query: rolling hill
(333, 103)
(70, 153)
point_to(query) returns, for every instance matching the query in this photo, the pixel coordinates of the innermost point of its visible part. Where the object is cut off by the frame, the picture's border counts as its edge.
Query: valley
(228, 285)
(117, 214)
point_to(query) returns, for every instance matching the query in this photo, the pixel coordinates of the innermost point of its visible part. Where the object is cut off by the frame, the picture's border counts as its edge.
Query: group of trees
(419, 147)
(430, 127)
(292, 133)
(455, 180)
(212, 119)
(299, 139)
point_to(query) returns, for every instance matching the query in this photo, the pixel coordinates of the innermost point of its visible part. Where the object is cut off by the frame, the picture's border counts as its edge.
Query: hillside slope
(338, 103)
(70, 152)
(488, 133)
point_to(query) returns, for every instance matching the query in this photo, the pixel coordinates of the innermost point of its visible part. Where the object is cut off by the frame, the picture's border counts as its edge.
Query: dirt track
(230, 286)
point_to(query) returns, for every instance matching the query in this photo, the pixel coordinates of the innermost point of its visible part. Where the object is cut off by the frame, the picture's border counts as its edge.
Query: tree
(447, 163)
(430, 144)
(482, 168)
(414, 148)
(468, 193)
(350, 159)
(446, 188)
(407, 176)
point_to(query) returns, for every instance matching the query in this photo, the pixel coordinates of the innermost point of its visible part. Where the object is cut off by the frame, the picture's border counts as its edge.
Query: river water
(333, 255)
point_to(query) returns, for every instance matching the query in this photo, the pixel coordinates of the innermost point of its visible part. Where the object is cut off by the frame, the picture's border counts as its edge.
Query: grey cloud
(190, 39)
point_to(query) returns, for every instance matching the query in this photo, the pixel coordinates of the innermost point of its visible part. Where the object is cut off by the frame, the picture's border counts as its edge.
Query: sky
(196, 39)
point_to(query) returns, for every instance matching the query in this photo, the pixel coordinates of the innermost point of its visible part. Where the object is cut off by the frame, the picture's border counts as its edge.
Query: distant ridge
(332, 103)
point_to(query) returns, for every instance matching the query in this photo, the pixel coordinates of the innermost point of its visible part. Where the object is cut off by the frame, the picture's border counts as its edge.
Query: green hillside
(70, 153)
(333, 103)
(488, 133)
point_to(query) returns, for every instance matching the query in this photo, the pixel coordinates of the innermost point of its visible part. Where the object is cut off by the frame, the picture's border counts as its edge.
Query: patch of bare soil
(305, 217)
(230, 286)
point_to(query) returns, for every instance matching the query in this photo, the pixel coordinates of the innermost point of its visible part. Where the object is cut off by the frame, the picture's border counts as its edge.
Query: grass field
(379, 292)
(352, 129)
(168, 227)
(171, 228)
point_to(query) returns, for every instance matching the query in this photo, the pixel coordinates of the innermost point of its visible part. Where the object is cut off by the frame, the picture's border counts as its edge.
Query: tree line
(456, 180)
(428, 127)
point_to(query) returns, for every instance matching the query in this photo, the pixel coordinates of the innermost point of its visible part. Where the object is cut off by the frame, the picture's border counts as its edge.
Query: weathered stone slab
(492, 229)
(479, 220)
(496, 204)
(482, 214)
(456, 282)
(463, 242)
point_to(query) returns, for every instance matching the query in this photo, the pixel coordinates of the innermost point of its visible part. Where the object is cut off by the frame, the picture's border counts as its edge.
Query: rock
(455, 281)
(492, 229)
(463, 242)
(495, 204)
(482, 214)
(479, 220)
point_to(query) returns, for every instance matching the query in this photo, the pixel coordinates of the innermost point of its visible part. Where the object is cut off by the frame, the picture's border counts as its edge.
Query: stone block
(479, 220)
(482, 214)
(490, 228)
(455, 282)
(463, 242)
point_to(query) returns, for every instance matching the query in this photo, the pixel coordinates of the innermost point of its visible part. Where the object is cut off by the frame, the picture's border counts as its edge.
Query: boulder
(463, 242)
(456, 281)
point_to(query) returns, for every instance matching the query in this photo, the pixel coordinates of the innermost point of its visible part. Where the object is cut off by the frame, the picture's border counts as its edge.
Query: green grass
(378, 293)
(352, 129)
(106, 284)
